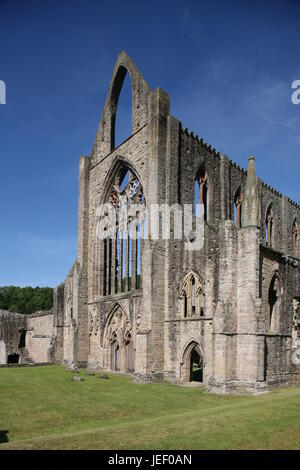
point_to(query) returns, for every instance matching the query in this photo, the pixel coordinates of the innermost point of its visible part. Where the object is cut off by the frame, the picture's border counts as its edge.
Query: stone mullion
(104, 266)
(113, 266)
(127, 262)
(101, 266)
(133, 258)
(120, 262)
(238, 216)
(142, 242)
(201, 193)
(107, 266)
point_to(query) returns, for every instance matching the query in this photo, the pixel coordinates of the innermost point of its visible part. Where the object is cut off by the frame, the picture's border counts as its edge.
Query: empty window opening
(295, 235)
(124, 181)
(185, 305)
(238, 198)
(22, 340)
(123, 119)
(193, 295)
(202, 187)
(274, 304)
(269, 226)
(196, 199)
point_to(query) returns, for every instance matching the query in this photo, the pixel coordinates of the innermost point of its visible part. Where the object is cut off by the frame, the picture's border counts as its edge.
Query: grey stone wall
(38, 333)
(234, 268)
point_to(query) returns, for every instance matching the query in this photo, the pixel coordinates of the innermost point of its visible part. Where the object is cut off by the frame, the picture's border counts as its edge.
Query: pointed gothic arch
(192, 362)
(118, 251)
(140, 110)
(192, 295)
(120, 80)
(117, 340)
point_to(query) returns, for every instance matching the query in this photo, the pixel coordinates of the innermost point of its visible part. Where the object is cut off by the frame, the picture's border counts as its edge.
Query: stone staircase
(24, 357)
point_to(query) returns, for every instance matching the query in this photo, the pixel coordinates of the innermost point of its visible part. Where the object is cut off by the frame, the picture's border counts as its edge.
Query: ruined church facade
(226, 314)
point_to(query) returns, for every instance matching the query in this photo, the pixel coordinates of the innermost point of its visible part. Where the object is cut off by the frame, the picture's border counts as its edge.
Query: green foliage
(26, 299)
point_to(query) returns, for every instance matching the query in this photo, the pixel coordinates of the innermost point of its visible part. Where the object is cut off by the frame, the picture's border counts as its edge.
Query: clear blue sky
(227, 65)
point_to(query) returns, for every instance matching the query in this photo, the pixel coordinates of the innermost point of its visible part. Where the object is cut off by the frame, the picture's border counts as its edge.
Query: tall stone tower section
(250, 345)
(82, 260)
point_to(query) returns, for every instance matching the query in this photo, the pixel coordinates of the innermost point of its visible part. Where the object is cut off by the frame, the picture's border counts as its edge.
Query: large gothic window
(192, 296)
(122, 247)
(269, 226)
(295, 235)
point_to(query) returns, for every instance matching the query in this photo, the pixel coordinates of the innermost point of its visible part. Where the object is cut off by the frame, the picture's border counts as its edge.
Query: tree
(26, 300)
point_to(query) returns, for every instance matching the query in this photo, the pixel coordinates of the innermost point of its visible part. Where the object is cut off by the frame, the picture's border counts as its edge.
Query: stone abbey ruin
(226, 315)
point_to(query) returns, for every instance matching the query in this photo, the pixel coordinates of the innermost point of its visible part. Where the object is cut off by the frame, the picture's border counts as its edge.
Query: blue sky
(227, 65)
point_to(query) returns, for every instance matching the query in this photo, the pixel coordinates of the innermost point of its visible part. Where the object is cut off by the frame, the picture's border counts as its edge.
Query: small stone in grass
(103, 376)
(77, 378)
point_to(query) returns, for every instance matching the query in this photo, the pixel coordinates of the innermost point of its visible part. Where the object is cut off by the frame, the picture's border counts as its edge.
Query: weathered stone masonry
(225, 315)
(26, 339)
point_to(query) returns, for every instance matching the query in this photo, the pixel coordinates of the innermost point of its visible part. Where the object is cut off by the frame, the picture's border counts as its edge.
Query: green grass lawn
(42, 408)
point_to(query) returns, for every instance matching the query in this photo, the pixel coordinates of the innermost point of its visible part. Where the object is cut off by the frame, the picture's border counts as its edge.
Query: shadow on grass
(3, 436)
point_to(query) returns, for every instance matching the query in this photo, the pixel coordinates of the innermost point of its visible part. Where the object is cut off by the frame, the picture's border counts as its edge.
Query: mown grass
(43, 408)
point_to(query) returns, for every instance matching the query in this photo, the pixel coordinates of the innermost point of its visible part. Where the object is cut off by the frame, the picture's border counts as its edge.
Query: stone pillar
(58, 324)
(81, 336)
(250, 341)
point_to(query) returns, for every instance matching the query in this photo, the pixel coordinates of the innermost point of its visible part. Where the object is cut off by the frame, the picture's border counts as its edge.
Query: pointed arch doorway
(192, 363)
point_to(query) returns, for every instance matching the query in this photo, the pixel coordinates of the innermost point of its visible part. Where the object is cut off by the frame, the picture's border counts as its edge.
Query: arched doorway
(192, 363)
(13, 359)
(196, 367)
